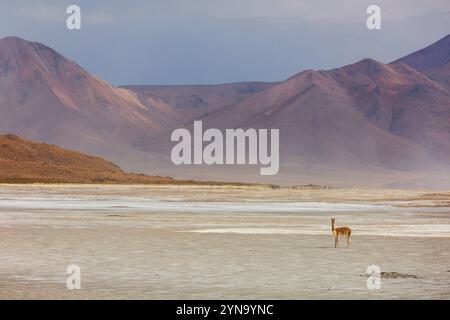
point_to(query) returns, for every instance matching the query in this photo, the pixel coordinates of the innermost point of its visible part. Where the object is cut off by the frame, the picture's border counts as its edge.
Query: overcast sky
(216, 41)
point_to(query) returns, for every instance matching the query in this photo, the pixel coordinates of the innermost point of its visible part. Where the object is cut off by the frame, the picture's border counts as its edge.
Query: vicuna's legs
(348, 234)
(336, 242)
(348, 241)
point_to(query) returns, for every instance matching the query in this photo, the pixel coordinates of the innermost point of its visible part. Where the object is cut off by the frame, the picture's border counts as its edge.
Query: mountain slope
(26, 161)
(46, 97)
(402, 101)
(327, 116)
(433, 61)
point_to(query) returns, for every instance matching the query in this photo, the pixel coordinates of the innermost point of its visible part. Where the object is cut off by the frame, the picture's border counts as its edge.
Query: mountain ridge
(368, 114)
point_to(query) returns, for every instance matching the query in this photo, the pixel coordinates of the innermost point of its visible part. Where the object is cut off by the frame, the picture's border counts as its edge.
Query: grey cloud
(207, 41)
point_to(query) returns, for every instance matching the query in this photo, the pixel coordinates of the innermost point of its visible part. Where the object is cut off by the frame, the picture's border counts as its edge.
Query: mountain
(345, 116)
(365, 123)
(401, 101)
(332, 107)
(47, 97)
(192, 101)
(27, 161)
(364, 117)
(433, 61)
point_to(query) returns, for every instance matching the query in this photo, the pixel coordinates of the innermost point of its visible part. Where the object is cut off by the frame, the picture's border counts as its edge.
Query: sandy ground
(175, 242)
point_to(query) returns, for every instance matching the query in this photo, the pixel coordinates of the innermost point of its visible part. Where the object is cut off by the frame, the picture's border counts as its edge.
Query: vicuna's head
(333, 220)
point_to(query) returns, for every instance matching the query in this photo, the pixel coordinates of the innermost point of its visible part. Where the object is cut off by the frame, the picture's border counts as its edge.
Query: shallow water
(185, 242)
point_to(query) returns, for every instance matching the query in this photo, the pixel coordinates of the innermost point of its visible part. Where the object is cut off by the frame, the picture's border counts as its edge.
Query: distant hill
(23, 161)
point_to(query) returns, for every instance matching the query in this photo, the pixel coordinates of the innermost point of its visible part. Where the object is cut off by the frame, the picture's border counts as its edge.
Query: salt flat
(204, 242)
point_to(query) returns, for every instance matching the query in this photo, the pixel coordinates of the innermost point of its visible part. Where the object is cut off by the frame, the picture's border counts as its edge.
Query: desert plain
(221, 242)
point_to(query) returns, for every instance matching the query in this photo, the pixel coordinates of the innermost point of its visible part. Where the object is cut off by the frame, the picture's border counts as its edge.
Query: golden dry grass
(23, 161)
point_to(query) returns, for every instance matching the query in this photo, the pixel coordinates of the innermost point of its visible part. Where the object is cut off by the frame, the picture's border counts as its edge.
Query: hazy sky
(215, 41)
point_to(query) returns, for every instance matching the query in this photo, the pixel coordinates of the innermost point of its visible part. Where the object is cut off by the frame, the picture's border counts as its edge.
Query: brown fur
(341, 231)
